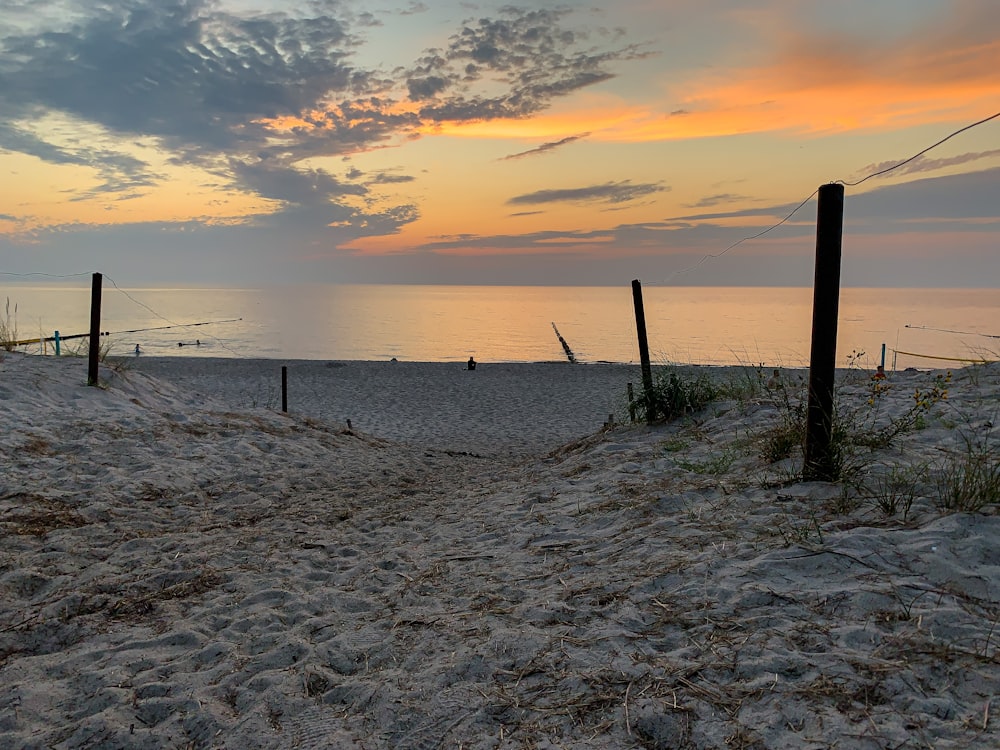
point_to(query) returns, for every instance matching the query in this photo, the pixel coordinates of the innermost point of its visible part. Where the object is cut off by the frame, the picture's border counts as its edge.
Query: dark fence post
(93, 358)
(821, 463)
(647, 371)
(284, 388)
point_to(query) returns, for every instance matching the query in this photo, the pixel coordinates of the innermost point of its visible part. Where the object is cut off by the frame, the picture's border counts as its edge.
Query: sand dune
(183, 567)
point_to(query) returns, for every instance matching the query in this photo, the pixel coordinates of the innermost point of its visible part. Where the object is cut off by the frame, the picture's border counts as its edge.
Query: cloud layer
(249, 98)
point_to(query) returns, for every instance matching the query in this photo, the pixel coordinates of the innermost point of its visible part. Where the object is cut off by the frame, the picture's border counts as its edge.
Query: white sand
(497, 408)
(179, 570)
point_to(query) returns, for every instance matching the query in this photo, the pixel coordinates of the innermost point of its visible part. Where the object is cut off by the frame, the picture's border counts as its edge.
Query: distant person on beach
(137, 350)
(774, 381)
(471, 364)
(879, 373)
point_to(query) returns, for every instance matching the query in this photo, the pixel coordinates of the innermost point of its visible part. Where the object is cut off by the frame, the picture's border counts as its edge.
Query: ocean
(696, 325)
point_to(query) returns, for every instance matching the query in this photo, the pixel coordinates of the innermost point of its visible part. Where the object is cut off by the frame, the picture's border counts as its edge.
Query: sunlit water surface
(731, 325)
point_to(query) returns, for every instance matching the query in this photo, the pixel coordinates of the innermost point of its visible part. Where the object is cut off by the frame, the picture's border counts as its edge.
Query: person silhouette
(471, 364)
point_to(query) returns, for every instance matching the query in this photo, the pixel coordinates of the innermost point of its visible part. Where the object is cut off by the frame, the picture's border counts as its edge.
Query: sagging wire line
(719, 254)
(172, 323)
(948, 330)
(795, 210)
(46, 275)
(919, 153)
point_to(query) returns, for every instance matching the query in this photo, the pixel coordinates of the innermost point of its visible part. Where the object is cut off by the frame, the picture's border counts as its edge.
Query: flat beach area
(480, 561)
(498, 408)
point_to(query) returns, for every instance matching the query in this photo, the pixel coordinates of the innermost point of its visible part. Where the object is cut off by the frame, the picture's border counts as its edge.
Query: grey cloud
(21, 141)
(884, 210)
(530, 51)
(283, 183)
(612, 192)
(120, 173)
(413, 9)
(383, 178)
(426, 88)
(715, 200)
(924, 164)
(177, 70)
(201, 83)
(546, 147)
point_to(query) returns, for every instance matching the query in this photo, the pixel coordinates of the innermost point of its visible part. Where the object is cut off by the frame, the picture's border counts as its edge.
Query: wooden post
(284, 388)
(820, 461)
(57, 343)
(95, 330)
(647, 371)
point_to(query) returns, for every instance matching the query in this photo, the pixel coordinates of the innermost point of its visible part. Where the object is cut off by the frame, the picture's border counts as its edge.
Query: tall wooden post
(647, 371)
(93, 358)
(820, 461)
(284, 388)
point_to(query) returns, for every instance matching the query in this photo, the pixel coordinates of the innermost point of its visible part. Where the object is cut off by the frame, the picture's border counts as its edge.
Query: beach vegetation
(265, 397)
(862, 421)
(799, 531)
(787, 436)
(676, 393)
(894, 490)
(717, 464)
(675, 444)
(745, 384)
(82, 349)
(968, 482)
(8, 328)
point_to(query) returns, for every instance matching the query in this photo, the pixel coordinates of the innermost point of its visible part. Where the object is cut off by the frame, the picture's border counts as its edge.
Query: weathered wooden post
(284, 388)
(647, 371)
(95, 330)
(820, 459)
(57, 343)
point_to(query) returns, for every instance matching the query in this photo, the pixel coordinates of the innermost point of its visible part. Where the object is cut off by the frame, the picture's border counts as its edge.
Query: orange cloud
(810, 84)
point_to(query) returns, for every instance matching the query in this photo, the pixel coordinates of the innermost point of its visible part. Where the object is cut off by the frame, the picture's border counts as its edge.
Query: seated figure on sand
(774, 381)
(471, 364)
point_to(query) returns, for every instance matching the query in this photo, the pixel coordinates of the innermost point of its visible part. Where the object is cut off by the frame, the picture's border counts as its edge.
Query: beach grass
(8, 328)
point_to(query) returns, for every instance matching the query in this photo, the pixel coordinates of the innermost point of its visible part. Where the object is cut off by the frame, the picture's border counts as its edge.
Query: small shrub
(714, 466)
(895, 490)
(969, 482)
(783, 439)
(674, 395)
(789, 435)
(869, 431)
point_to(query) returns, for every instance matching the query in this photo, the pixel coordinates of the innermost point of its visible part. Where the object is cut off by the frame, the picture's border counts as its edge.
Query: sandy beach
(478, 561)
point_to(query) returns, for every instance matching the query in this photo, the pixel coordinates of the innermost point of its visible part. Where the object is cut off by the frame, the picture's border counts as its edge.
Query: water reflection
(451, 323)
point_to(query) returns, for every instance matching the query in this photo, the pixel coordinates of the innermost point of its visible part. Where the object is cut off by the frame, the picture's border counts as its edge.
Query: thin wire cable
(168, 320)
(960, 333)
(918, 154)
(719, 254)
(46, 275)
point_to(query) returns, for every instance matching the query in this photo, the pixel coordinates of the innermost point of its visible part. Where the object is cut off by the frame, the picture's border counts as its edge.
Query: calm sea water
(731, 325)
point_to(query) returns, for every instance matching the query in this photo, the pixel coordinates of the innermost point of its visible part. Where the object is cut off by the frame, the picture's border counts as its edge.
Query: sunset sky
(244, 141)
